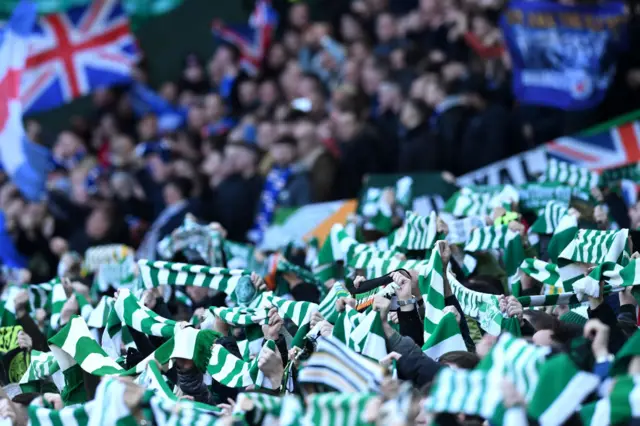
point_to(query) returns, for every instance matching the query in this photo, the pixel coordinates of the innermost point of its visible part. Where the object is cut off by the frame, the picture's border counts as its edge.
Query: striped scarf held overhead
(502, 238)
(42, 365)
(274, 184)
(75, 345)
(596, 247)
(441, 330)
(152, 380)
(100, 314)
(562, 236)
(142, 319)
(554, 279)
(156, 273)
(549, 218)
(620, 406)
(562, 388)
(335, 366)
(472, 392)
(480, 201)
(338, 409)
(482, 307)
(195, 240)
(284, 266)
(518, 361)
(629, 172)
(362, 333)
(417, 232)
(569, 174)
(77, 414)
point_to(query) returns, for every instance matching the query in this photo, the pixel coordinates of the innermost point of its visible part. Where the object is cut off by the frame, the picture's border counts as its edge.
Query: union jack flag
(603, 150)
(75, 52)
(252, 39)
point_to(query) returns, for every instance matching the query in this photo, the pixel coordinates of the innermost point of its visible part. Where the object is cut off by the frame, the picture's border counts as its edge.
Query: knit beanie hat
(194, 345)
(573, 317)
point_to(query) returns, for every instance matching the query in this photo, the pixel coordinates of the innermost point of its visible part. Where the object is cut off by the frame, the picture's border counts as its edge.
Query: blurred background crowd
(381, 86)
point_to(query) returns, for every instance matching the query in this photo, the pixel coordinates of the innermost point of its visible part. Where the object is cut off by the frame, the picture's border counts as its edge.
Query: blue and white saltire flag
(26, 163)
(563, 56)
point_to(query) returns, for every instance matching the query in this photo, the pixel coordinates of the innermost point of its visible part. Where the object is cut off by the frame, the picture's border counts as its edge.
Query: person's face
(291, 41)
(283, 154)
(211, 163)
(358, 52)
(122, 149)
(122, 186)
(307, 87)
(184, 364)
(543, 338)
(397, 59)
(305, 133)
(480, 26)
(169, 92)
(350, 29)
(277, 57)
(223, 57)
(290, 79)
(352, 73)
(98, 224)
(213, 107)
(371, 79)
(66, 145)
(388, 96)
(268, 93)
(408, 115)
(266, 134)
(428, 6)
(453, 71)
(183, 168)
(248, 93)
(171, 194)
(346, 125)
(299, 16)
(196, 118)
(634, 213)
(385, 28)
(159, 170)
(240, 158)
(148, 128)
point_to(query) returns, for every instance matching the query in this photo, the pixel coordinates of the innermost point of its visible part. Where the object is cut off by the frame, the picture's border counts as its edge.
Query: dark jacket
(297, 191)
(358, 157)
(486, 138)
(235, 203)
(413, 365)
(418, 151)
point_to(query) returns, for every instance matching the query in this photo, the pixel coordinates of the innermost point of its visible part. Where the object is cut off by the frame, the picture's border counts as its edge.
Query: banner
(428, 191)
(132, 7)
(563, 56)
(595, 150)
(516, 170)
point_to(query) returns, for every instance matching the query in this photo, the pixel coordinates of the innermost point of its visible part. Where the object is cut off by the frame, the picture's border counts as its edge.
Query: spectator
(316, 160)
(237, 213)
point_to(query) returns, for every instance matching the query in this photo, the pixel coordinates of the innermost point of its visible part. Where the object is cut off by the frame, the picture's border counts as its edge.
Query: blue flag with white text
(563, 56)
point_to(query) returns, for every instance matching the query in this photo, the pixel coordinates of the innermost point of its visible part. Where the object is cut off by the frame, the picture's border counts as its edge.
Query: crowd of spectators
(383, 86)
